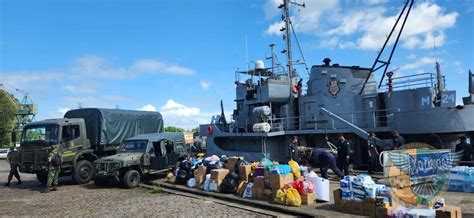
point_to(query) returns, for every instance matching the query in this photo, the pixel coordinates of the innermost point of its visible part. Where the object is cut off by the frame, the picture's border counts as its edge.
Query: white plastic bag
(191, 183)
(248, 191)
(207, 182)
(213, 186)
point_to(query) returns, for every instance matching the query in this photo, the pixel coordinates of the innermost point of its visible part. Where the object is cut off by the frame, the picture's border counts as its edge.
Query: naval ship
(274, 104)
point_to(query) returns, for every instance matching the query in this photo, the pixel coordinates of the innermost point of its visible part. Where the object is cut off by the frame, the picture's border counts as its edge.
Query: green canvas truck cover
(111, 126)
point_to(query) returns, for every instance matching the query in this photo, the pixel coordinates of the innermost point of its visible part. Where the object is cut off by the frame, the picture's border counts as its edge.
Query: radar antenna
(378, 63)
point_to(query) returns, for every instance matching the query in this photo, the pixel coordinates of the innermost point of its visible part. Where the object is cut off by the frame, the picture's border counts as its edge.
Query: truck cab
(141, 155)
(71, 137)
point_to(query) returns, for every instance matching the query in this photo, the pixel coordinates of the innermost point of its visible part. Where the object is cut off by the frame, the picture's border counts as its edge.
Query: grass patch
(157, 189)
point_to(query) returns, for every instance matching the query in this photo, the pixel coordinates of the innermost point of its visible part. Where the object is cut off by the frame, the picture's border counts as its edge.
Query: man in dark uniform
(293, 148)
(322, 159)
(13, 158)
(467, 151)
(54, 165)
(373, 152)
(343, 154)
(397, 140)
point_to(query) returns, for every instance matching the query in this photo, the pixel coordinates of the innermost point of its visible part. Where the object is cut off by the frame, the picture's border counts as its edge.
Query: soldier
(373, 152)
(397, 140)
(467, 151)
(322, 159)
(54, 165)
(293, 148)
(13, 158)
(343, 148)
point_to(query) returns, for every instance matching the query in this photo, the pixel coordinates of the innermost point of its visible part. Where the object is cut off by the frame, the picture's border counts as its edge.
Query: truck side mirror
(14, 137)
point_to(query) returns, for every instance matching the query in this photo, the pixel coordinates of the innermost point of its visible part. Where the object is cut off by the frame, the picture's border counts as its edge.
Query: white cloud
(374, 2)
(155, 66)
(63, 111)
(306, 20)
(419, 63)
(147, 107)
(367, 25)
(205, 84)
(176, 114)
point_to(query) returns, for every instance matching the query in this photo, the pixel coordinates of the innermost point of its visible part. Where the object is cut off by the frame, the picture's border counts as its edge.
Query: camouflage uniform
(13, 158)
(53, 171)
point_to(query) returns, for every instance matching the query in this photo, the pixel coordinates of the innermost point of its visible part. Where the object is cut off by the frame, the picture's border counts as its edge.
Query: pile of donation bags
(287, 184)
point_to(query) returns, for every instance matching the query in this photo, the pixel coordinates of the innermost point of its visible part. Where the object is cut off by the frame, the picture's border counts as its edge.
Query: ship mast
(287, 36)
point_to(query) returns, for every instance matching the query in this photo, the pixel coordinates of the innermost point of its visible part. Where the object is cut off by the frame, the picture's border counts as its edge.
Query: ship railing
(362, 119)
(421, 80)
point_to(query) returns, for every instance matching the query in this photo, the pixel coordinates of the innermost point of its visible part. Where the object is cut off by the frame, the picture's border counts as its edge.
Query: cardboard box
(344, 207)
(241, 188)
(308, 198)
(381, 212)
(369, 209)
(219, 174)
(449, 212)
(258, 193)
(200, 176)
(357, 207)
(259, 182)
(369, 200)
(337, 197)
(244, 172)
(230, 165)
(278, 181)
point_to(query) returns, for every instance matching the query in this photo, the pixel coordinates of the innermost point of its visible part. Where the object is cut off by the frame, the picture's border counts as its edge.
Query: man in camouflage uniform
(53, 170)
(13, 158)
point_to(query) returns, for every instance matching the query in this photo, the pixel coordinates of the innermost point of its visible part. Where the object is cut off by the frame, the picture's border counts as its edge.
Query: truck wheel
(83, 172)
(131, 179)
(101, 182)
(42, 177)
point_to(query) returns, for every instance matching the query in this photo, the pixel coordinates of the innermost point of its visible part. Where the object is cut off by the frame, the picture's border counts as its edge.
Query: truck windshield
(42, 134)
(134, 146)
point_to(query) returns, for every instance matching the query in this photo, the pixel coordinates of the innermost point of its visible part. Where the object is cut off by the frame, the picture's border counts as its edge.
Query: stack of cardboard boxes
(369, 208)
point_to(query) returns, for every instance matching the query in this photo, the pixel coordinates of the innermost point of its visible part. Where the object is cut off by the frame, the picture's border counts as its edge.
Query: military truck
(140, 156)
(83, 136)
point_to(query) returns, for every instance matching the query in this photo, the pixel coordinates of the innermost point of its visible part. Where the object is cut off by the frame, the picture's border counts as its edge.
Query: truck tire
(101, 182)
(83, 172)
(42, 177)
(131, 179)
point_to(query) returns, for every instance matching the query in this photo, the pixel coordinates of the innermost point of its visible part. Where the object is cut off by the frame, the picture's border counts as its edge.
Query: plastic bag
(303, 187)
(281, 169)
(295, 168)
(248, 191)
(212, 158)
(213, 186)
(171, 178)
(293, 198)
(207, 182)
(280, 196)
(266, 163)
(191, 183)
(229, 186)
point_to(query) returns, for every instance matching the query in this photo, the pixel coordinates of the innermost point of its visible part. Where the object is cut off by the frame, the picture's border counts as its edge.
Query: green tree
(195, 129)
(8, 108)
(173, 129)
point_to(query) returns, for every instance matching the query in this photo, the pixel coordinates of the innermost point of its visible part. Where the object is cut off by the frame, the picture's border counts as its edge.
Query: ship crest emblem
(334, 88)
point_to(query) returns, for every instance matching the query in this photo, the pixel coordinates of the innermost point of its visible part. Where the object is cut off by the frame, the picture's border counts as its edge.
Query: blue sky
(179, 57)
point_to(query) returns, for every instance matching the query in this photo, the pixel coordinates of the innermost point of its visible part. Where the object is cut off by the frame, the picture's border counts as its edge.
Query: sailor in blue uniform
(324, 160)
